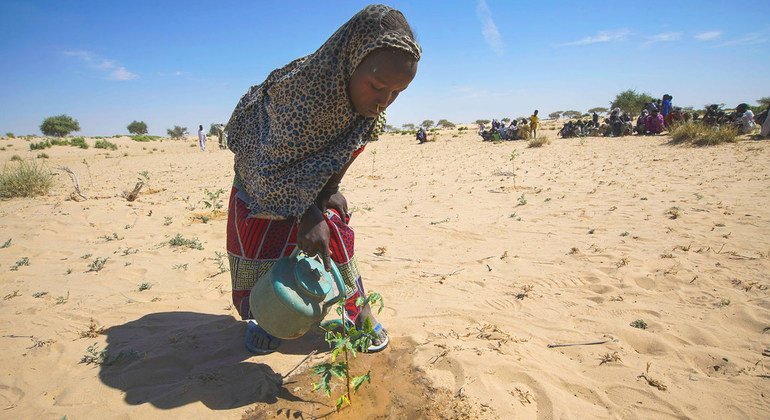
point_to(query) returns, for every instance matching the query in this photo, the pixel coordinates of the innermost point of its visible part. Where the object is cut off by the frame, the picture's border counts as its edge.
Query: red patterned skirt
(254, 245)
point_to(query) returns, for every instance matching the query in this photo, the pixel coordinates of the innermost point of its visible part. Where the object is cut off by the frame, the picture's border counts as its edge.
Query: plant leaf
(339, 369)
(342, 400)
(359, 380)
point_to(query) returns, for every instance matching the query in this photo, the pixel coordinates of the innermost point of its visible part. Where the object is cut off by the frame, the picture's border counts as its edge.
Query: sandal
(382, 340)
(259, 341)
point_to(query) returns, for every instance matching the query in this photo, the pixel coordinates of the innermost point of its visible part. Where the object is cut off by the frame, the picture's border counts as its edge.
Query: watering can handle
(335, 275)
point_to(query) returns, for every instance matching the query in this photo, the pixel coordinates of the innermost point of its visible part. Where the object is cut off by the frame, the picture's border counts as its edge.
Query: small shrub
(144, 138)
(702, 135)
(177, 132)
(179, 241)
(42, 156)
(104, 144)
(145, 286)
(16, 158)
(725, 134)
(79, 142)
(28, 179)
(539, 141)
(10, 135)
(639, 323)
(40, 145)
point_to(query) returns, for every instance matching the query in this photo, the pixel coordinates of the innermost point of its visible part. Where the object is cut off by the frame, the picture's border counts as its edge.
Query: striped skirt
(254, 245)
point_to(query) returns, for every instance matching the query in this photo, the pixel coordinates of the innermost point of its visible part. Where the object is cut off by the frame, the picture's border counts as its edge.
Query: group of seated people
(516, 130)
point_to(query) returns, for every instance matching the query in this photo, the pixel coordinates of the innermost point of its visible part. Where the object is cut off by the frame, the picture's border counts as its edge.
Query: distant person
(595, 119)
(640, 122)
(654, 123)
(422, 136)
(745, 120)
(666, 108)
(534, 121)
(201, 138)
(766, 125)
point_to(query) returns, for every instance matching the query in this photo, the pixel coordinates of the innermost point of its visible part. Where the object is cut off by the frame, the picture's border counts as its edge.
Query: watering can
(295, 295)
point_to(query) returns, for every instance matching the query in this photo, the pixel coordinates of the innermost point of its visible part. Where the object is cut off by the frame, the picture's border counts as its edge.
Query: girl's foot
(381, 340)
(259, 341)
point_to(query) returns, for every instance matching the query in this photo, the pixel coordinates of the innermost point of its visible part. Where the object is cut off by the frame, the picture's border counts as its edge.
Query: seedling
(512, 158)
(213, 199)
(723, 302)
(347, 343)
(181, 267)
(145, 286)
(61, 300)
(167, 221)
(22, 262)
(93, 331)
(608, 358)
(220, 260)
(97, 264)
(110, 238)
(522, 200)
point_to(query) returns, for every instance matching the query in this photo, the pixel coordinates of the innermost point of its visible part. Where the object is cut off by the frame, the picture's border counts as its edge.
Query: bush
(104, 144)
(703, 135)
(10, 135)
(79, 142)
(137, 127)
(631, 102)
(177, 132)
(59, 142)
(27, 179)
(144, 138)
(16, 158)
(59, 126)
(40, 146)
(538, 141)
(42, 156)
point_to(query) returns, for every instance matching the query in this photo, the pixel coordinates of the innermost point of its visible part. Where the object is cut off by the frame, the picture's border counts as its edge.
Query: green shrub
(42, 156)
(144, 138)
(725, 134)
(59, 125)
(27, 179)
(10, 135)
(79, 142)
(59, 142)
(630, 101)
(16, 158)
(104, 144)
(686, 132)
(40, 146)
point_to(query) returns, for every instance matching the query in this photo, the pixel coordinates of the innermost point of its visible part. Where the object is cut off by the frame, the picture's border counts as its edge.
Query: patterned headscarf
(293, 131)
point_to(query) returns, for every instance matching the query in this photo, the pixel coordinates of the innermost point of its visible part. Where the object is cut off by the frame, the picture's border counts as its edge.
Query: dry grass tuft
(698, 134)
(27, 179)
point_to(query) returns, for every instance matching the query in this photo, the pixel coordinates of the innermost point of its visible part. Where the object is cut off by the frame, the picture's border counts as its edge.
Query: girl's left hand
(338, 203)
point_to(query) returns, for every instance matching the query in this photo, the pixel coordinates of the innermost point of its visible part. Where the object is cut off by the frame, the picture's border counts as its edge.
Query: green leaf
(339, 369)
(359, 380)
(342, 400)
(360, 301)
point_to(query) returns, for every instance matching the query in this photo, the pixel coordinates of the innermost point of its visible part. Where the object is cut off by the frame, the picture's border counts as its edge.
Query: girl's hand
(313, 235)
(340, 204)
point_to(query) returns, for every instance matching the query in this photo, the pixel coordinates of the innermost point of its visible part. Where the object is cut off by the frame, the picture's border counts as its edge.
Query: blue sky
(168, 63)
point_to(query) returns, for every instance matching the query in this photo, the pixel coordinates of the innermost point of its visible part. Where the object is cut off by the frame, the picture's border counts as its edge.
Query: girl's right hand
(313, 235)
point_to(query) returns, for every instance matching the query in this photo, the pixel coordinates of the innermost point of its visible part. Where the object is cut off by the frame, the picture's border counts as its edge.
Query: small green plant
(167, 220)
(145, 286)
(673, 213)
(61, 300)
(21, 262)
(10, 135)
(698, 196)
(220, 260)
(97, 265)
(512, 158)
(180, 241)
(110, 238)
(182, 267)
(40, 145)
(624, 234)
(723, 302)
(213, 199)
(703, 135)
(144, 138)
(639, 323)
(42, 156)
(346, 343)
(104, 144)
(86, 256)
(16, 158)
(522, 200)
(104, 358)
(6, 244)
(79, 142)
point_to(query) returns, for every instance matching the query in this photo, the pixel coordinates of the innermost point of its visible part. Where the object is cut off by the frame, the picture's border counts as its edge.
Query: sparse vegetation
(144, 138)
(538, 141)
(522, 200)
(42, 156)
(673, 212)
(180, 241)
(702, 135)
(97, 264)
(213, 199)
(93, 331)
(609, 358)
(6, 244)
(145, 286)
(21, 262)
(639, 323)
(104, 144)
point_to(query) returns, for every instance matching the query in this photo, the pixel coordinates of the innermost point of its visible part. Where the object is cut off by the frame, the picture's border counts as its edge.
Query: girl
(294, 137)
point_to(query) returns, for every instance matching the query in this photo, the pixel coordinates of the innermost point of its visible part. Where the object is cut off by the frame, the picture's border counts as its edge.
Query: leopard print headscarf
(293, 131)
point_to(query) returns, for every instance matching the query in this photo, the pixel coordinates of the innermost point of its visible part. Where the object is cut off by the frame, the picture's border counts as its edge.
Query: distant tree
(445, 124)
(506, 120)
(554, 115)
(408, 127)
(177, 132)
(389, 128)
(764, 101)
(59, 126)
(572, 114)
(214, 129)
(483, 122)
(598, 110)
(10, 135)
(427, 124)
(137, 127)
(630, 101)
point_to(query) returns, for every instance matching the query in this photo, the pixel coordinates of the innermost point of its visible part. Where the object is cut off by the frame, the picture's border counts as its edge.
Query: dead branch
(78, 194)
(131, 196)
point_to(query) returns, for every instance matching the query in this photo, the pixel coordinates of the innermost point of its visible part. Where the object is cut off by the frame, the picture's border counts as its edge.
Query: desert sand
(483, 262)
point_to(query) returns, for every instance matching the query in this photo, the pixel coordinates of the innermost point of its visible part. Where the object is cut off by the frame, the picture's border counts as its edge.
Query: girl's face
(378, 80)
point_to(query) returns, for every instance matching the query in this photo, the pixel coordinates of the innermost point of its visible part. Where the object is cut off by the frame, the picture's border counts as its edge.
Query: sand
(479, 275)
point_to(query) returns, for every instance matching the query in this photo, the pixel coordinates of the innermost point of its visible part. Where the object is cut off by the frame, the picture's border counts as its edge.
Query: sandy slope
(480, 274)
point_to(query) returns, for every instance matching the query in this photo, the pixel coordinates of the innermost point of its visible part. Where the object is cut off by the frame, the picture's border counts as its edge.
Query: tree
(483, 122)
(427, 124)
(408, 127)
(59, 125)
(214, 129)
(177, 132)
(506, 120)
(631, 102)
(572, 114)
(764, 101)
(445, 124)
(554, 115)
(137, 127)
(598, 110)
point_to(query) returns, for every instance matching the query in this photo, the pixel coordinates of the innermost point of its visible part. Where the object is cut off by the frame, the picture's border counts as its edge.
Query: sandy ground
(480, 270)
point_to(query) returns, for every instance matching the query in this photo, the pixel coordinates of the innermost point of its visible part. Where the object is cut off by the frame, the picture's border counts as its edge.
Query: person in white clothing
(201, 138)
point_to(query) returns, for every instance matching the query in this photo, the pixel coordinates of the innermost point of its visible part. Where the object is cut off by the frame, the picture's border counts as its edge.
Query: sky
(107, 63)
